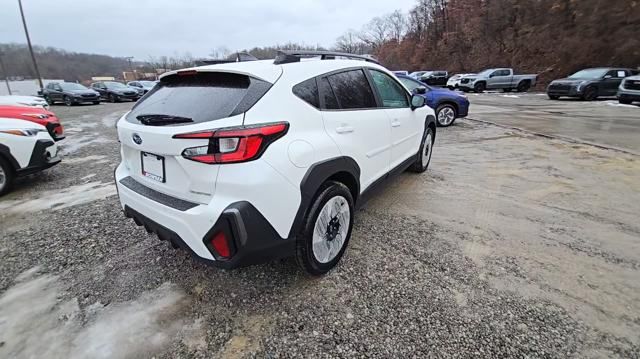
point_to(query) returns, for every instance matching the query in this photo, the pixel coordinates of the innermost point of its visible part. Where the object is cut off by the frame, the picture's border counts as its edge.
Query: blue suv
(447, 104)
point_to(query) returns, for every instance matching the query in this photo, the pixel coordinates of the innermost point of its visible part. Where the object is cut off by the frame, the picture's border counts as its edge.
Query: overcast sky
(143, 28)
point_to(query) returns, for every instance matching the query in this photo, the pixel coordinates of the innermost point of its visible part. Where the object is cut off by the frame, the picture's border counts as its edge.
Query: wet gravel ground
(511, 245)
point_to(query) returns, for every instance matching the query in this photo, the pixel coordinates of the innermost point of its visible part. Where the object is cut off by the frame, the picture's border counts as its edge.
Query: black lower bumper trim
(253, 238)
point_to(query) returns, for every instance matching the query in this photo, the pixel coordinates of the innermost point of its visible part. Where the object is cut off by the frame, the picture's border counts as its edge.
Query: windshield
(411, 84)
(115, 85)
(589, 74)
(70, 86)
(200, 98)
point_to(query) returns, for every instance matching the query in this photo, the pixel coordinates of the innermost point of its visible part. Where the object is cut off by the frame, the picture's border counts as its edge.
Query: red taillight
(221, 245)
(235, 144)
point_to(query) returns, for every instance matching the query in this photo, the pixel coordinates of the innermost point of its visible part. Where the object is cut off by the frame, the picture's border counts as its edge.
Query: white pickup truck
(497, 79)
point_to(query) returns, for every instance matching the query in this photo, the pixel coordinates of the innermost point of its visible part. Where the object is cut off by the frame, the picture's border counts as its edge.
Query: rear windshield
(201, 97)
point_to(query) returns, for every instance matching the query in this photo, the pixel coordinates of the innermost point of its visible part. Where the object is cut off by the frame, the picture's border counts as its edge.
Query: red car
(40, 116)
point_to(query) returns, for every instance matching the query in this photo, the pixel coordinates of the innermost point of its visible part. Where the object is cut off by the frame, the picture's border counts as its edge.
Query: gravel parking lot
(512, 244)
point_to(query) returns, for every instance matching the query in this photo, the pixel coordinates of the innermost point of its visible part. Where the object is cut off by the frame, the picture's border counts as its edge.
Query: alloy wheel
(446, 116)
(331, 228)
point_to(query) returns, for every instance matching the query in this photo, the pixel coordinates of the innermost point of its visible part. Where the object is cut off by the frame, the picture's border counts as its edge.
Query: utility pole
(129, 60)
(4, 72)
(33, 57)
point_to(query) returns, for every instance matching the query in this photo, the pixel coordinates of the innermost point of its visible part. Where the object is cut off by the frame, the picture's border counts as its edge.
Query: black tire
(553, 97)
(443, 108)
(590, 93)
(421, 164)
(506, 90)
(6, 171)
(464, 89)
(304, 241)
(67, 101)
(113, 98)
(480, 87)
(625, 101)
(96, 102)
(49, 101)
(523, 86)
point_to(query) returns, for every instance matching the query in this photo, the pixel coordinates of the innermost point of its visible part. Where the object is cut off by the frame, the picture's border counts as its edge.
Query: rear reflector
(221, 245)
(233, 144)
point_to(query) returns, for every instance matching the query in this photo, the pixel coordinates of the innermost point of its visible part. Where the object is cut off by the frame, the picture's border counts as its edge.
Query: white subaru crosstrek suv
(25, 148)
(245, 162)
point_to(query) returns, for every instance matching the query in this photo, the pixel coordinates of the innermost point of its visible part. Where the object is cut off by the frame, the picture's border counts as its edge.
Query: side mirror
(607, 77)
(421, 90)
(417, 101)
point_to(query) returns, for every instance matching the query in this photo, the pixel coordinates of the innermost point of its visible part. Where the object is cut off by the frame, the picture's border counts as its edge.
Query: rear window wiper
(161, 120)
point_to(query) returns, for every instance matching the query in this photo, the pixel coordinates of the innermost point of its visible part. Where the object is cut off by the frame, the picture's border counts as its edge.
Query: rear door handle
(395, 123)
(344, 129)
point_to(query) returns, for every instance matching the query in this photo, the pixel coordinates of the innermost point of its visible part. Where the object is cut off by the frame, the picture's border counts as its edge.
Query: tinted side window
(391, 93)
(328, 97)
(308, 91)
(352, 90)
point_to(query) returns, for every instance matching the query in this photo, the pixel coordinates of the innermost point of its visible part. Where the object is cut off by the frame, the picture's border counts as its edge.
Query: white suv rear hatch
(187, 101)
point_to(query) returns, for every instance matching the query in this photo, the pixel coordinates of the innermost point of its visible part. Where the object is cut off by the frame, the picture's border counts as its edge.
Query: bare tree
(397, 23)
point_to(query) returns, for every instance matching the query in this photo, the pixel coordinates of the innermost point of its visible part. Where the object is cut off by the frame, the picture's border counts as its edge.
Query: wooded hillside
(550, 37)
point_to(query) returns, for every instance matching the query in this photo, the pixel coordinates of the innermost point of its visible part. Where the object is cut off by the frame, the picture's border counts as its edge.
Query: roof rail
(289, 56)
(240, 57)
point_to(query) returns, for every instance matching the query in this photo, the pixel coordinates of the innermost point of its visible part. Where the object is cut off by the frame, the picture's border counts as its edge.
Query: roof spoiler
(240, 57)
(290, 56)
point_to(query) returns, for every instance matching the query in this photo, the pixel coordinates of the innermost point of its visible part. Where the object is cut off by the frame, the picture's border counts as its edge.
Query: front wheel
(479, 87)
(327, 229)
(424, 155)
(624, 101)
(6, 176)
(68, 101)
(112, 98)
(590, 93)
(48, 99)
(553, 97)
(445, 114)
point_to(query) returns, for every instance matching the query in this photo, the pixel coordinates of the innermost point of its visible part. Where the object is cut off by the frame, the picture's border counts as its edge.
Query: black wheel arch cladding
(342, 169)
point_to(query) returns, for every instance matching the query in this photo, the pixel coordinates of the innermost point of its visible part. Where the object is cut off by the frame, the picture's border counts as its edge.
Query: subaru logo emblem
(137, 139)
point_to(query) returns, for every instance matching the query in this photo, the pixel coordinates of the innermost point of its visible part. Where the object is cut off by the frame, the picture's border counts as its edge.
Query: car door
(405, 126)
(101, 88)
(352, 118)
(55, 92)
(611, 82)
(498, 79)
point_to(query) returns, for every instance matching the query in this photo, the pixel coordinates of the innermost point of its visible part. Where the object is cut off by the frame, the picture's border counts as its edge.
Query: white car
(25, 148)
(454, 81)
(245, 162)
(30, 101)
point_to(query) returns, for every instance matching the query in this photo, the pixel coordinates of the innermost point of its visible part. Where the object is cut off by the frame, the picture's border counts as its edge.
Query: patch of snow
(58, 199)
(511, 96)
(618, 104)
(35, 323)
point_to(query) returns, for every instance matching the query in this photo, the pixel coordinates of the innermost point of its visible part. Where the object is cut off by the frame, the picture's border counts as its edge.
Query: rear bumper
(191, 226)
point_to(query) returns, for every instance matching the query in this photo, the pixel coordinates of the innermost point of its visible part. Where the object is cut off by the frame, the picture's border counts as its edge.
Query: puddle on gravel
(35, 322)
(58, 199)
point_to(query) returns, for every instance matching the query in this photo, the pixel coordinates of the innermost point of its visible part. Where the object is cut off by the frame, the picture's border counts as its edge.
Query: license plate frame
(154, 165)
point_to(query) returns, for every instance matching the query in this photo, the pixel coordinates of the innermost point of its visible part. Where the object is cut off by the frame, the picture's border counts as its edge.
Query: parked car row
(589, 84)
(71, 93)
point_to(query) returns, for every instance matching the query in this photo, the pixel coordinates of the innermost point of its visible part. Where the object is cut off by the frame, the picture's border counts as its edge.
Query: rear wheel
(553, 97)
(523, 86)
(68, 101)
(112, 98)
(506, 90)
(424, 156)
(590, 93)
(6, 176)
(479, 87)
(327, 229)
(446, 115)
